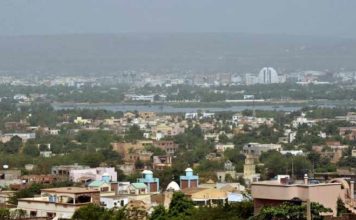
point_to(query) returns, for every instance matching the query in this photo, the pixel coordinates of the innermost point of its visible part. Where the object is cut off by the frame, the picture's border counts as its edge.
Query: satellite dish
(5, 166)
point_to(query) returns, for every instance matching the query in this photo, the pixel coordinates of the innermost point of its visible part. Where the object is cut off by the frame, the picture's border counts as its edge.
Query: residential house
(90, 174)
(162, 162)
(59, 203)
(348, 132)
(65, 169)
(138, 188)
(205, 197)
(100, 185)
(351, 117)
(257, 149)
(222, 147)
(168, 146)
(333, 150)
(124, 148)
(8, 177)
(142, 155)
(24, 136)
(82, 121)
(275, 192)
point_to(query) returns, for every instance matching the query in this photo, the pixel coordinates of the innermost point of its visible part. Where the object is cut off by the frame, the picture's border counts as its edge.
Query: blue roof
(139, 185)
(96, 183)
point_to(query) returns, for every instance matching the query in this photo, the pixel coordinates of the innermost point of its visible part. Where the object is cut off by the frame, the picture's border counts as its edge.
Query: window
(51, 214)
(33, 213)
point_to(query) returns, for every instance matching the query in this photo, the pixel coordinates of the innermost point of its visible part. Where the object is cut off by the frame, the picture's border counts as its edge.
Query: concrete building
(124, 148)
(59, 203)
(169, 146)
(205, 197)
(24, 136)
(91, 174)
(161, 162)
(189, 180)
(257, 149)
(65, 169)
(292, 152)
(351, 117)
(151, 182)
(272, 193)
(222, 147)
(268, 75)
(348, 133)
(81, 121)
(8, 177)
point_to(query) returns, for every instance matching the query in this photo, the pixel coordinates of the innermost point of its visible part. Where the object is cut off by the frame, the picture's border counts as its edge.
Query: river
(166, 108)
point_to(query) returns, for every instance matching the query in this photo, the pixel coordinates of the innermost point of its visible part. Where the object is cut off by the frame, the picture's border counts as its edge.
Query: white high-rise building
(268, 75)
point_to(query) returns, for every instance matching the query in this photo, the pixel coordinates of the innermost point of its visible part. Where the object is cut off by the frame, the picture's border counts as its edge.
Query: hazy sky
(304, 17)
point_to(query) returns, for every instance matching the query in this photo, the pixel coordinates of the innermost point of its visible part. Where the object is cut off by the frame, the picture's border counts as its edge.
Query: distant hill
(209, 52)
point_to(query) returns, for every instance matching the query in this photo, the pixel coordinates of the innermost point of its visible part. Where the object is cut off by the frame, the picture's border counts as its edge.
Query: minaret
(249, 167)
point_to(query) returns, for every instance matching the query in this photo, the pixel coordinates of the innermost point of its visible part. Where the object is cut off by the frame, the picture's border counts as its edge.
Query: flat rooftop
(296, 183)
(70, 190)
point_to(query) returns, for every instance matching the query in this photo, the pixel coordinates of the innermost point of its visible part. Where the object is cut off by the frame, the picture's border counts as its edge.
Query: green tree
(31, 191)
(180, 206)
(291, 211)
(13, 146)
(31, 150)
(159, 213)
(43, 147)
(235, 211)
(4, 214)
(89, 212)
(134, 133)
(223, 139)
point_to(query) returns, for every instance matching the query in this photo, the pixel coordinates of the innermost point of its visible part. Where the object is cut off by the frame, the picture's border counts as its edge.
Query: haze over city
(177, 109)
(295, 17)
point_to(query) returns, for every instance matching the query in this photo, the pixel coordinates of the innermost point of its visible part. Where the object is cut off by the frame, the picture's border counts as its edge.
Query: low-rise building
(24, 136)
(8, 177)
(65, 169)
(168, 146)
(333, 150)
(222, 147)
(205, 197)
(348, 133)
(292, 152)
(162, 162)
(272, 193)
(257, 149)
(60, 203)
(91, 174)
(82, 121)
(189, 180)
(151, 182)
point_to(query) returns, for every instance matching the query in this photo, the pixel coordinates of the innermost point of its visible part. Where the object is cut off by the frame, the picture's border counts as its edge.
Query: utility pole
(309, 217)
(292, 169)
